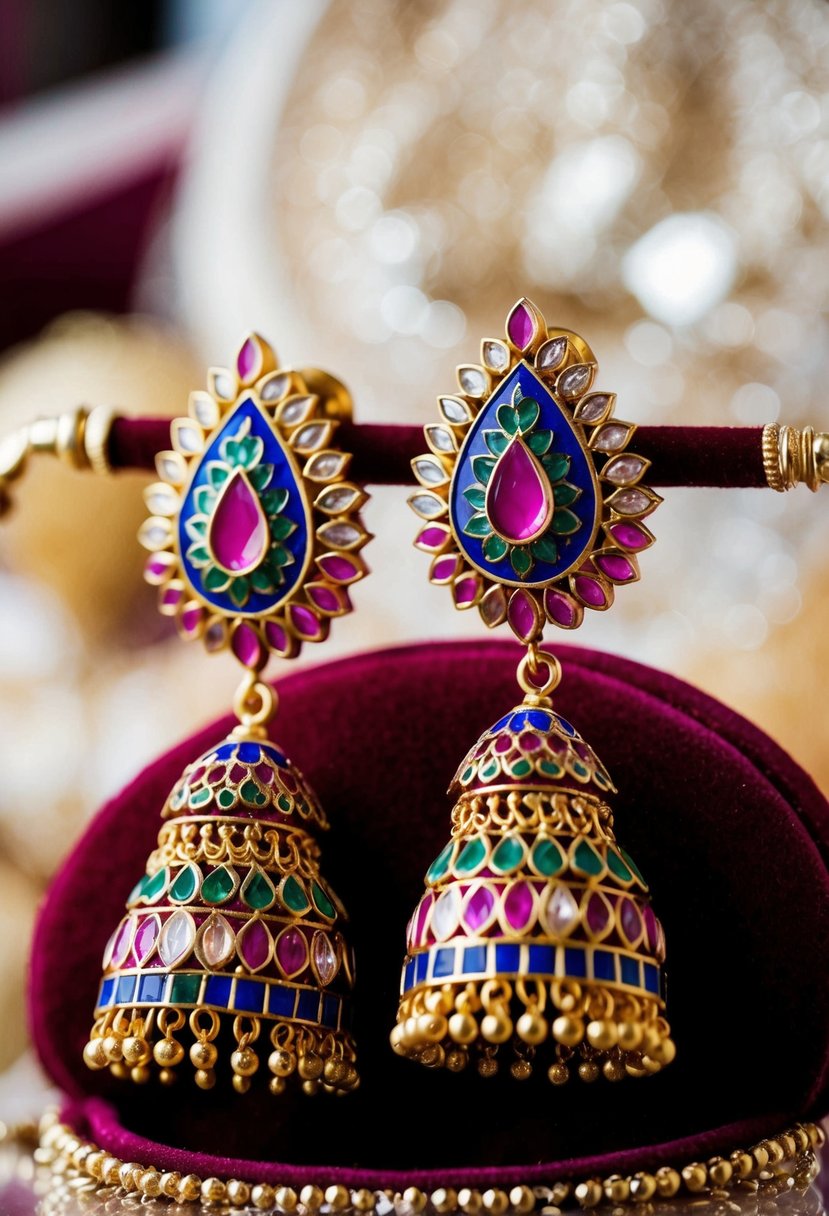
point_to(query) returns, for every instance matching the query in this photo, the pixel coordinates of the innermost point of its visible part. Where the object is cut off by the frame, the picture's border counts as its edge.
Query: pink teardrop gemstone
(519, 504)
(521, 327)
(239, 529)
(145, 938)
(522, 615)
(616, 567)
(560, 608)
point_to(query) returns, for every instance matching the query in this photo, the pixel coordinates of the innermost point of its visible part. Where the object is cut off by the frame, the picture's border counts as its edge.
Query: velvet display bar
(729, 457)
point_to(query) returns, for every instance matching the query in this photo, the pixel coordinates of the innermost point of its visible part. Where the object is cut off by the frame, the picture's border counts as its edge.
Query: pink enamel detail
(292, 952)
(239, 532)
(560, 608)
(522, 616)
(247, 647)
(616, 567)
(519, 503)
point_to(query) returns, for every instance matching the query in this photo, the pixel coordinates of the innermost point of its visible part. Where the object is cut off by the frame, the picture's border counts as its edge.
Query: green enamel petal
(281, 527)
(275, 500)
(217, 474)
(478, 525)
(261, 476)
(196, 527)
(528, 411)
(239, 591)
(216, 580)
(539, 442)
(556, 465)
(495, 548)
(564, 494)
(251, 451)
(274, 570)
(496, 441)
(476, 497)
(280, 556)
(545, 549)
(482, 467)
(521, 561)
(565, 523)
(203, 499)
(262, 581)
(198, 555)
(507, 417)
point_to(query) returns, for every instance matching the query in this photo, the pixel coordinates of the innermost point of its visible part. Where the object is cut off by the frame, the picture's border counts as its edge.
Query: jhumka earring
(535, 935)
(254, 539)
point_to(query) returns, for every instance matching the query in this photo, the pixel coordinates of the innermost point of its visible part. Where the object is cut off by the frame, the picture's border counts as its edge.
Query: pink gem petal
(521, 326)
(591, 591)
(292, 951)
(465, 591)
(306, 623)
(123, 941)
(247, 647)
(561, 609)
(340, 569)
(253, 945)
(616, 567)
(249, 361)
(146, 937)
(523, 615)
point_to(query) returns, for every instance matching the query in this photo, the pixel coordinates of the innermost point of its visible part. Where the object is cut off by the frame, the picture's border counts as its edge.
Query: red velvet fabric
(732, 836)
(731, 457)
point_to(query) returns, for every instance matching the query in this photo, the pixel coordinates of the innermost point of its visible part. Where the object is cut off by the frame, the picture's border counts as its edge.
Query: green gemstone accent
(185, 885)
(579, 769)
(218, 886)
(600, 779)
(471, 856)
(478, 525)
(539, 442)
(293, 896)
(509, 855)
(545, 549)
(550, 768)
(201, 797)
(556, 465)
(476, 497)
(565, 493)
(225, 798)
(258, 891)
(565, 522)
(617, 866)
(521, 561)
(507, 417)
(251, 793)
(586, 859)
(155, 886)
(468, 773)
(284, 803)
(497, 442)
(528, 410)
(489, 770)
(547, 858)
(495, 548)
(440, 865)
(322, 902)
(137, 891)
(185, 989)
(633, 866)
(522, 768)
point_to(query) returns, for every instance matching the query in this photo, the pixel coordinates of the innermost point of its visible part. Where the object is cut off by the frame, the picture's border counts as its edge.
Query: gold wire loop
(530, 672)
(254, 704)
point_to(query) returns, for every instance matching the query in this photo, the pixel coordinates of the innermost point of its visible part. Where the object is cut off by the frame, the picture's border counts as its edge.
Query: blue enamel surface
(553, 418)
(283, 477)
(250, 995)
(604, 965)
(442, 963)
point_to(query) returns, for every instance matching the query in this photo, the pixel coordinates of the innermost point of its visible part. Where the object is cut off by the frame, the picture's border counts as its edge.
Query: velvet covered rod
(680, 455)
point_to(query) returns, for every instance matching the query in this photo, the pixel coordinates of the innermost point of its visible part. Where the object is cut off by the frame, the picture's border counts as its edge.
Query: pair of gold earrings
(534, 943)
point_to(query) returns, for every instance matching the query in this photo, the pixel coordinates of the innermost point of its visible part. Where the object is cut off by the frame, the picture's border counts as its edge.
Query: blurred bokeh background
(371, 183)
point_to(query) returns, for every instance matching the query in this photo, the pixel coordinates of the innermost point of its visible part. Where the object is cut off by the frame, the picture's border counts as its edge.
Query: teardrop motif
(239, 533)
(519, 498)
(524, 501)
(244, 531)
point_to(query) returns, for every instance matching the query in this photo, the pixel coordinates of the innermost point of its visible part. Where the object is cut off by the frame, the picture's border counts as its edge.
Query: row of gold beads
(790, 1155)
(320, 1059)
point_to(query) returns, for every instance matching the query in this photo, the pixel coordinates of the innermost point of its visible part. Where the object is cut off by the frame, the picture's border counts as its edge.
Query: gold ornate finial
(792, 456)
(78, 437)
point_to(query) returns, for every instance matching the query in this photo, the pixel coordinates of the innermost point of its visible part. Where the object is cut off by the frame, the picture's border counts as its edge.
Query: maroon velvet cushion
(732, 836)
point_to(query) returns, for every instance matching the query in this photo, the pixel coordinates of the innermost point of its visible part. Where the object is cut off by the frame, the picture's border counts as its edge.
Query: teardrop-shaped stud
(535, 481)
(250, 504)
